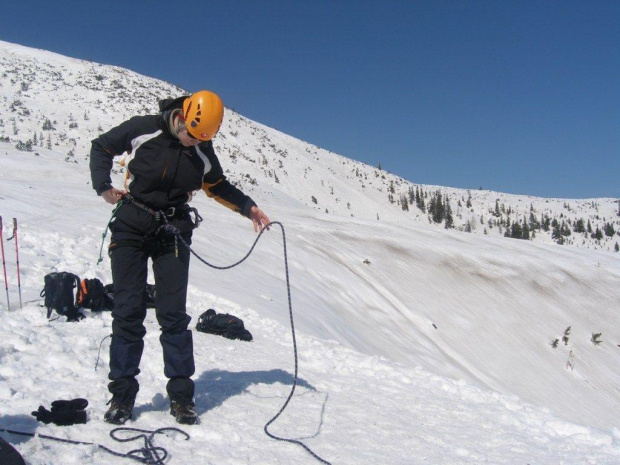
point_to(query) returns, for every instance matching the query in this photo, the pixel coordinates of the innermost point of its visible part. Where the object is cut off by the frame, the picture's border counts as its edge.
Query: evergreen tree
(565, 229)
(431, 207)
(556, 235)
(580, 226)
(525, 234)
(449, 218)
(419, 200)
(609, 229)
(438, 208)
(565, 336)
(404, 204)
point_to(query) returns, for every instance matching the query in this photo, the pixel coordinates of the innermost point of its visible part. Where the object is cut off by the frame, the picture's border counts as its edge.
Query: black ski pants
(134, 240)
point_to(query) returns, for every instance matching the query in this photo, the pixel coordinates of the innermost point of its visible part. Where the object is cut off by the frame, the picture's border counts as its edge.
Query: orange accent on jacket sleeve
(207, 188)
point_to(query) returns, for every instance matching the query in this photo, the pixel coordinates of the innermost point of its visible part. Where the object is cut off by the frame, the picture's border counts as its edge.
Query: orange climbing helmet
(203, 113)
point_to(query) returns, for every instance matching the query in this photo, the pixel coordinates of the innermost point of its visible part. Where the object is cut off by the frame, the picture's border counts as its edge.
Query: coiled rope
(148, 454)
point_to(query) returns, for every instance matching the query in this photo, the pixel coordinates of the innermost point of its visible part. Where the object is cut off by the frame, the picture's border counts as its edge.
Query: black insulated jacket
(162, 172)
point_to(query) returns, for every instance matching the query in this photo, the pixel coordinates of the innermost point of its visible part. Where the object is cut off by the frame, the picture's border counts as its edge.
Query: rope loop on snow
(149, 454)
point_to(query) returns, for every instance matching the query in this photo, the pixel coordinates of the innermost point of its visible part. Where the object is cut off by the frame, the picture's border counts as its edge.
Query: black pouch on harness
(151, 293)
(225, 325)
(60, 295)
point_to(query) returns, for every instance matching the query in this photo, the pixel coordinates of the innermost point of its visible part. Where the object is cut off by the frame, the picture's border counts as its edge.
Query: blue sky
(514, 96)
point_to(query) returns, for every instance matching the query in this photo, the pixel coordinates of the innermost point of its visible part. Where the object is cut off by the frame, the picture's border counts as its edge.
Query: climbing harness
(173, 230)
(148, 454)
(128, 199)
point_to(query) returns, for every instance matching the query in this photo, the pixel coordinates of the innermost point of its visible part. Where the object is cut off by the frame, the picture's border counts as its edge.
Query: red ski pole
(19, 281)
(6, 282)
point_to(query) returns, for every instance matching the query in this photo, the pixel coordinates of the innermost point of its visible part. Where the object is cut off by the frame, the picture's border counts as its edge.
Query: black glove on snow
(64, 412)
(69, 405)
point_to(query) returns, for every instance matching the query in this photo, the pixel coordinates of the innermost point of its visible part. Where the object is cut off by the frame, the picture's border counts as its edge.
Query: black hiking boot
(184, 413)
(119, 412)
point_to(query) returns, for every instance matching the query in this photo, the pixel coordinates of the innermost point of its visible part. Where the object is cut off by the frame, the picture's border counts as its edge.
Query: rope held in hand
(173, 230)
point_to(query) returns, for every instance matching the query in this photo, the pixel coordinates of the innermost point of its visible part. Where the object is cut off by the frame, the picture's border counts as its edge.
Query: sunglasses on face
(182, 126)
(189, 134)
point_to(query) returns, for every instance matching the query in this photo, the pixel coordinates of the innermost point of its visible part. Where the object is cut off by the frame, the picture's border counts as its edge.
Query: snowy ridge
(62, 104)
(417, 344)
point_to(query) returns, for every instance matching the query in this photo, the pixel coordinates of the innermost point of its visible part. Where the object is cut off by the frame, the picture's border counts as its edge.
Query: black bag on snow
(60, 295)
(225, 325)
(9, 454)
(108, 290)
(93, 295)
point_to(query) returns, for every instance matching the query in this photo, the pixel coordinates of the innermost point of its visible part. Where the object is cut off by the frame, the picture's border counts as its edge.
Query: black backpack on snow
(61, 293)
(93, 295)
(224, 324)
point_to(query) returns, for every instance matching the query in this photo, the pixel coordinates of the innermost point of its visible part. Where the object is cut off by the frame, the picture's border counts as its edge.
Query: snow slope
(435, 352)
(417, 344)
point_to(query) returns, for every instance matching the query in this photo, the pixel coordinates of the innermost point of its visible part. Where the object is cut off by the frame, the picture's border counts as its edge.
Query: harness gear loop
(105, 231)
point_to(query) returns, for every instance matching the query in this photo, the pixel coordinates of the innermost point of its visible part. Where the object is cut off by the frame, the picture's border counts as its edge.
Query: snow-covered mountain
(61, 103)
(418, 344)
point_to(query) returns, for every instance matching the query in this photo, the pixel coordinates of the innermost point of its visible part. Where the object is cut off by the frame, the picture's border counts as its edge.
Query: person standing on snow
(170, 156)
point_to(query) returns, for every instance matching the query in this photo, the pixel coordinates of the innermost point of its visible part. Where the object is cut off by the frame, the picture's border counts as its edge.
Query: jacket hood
(171, 103)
